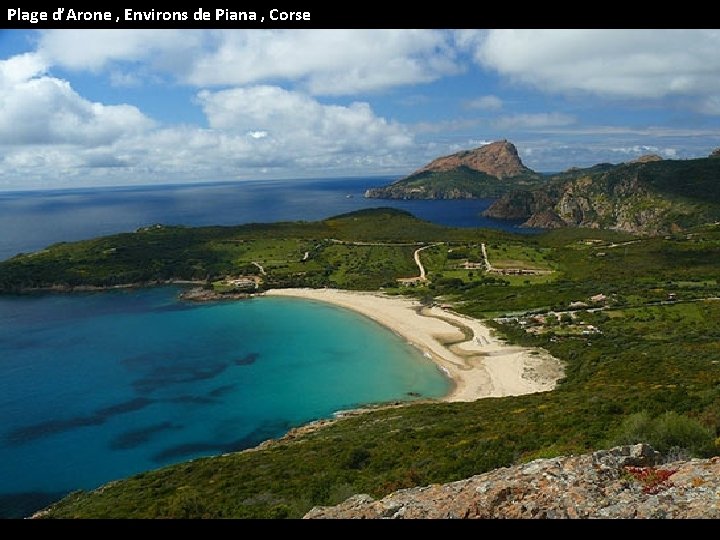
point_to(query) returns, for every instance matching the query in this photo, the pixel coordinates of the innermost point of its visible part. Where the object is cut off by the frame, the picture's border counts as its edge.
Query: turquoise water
(95, 387)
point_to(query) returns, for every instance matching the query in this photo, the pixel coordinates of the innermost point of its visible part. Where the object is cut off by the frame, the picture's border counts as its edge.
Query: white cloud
(296, 124)
(637, 149)
(20, 68)
(48, 131)
(489, 103)
(474, 143)
(93, 49)
(549, 154)
(642, 149)
(257, 134)
(38, 109)
(327, 62)
(324, 62)
(534, 120)
(625, 63)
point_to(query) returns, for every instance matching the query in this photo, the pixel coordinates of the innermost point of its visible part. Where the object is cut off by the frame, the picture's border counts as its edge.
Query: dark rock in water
(262, 433)
(221, 390)
(413, 394)
(247, 360)
(29, 433)
(163, 376)
(195, 400)
(137, 437)
(199, 294)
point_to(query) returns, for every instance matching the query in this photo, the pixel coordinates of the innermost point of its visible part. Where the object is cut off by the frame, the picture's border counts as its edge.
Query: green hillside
(649, 198)
(158, 254)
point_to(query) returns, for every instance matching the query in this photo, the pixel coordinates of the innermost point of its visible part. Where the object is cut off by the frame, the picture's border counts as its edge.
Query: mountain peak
(499, 159)
(488, 171)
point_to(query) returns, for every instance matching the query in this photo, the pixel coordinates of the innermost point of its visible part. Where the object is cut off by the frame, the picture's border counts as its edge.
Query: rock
(499, 159)
(487, 171)
(647, 158)
(546, 219)
(637, 455)
(623, 482)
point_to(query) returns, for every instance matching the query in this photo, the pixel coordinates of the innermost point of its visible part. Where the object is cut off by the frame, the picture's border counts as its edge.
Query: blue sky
(119, 107)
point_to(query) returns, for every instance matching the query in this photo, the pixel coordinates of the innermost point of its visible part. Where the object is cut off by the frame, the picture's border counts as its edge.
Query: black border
(386, 15)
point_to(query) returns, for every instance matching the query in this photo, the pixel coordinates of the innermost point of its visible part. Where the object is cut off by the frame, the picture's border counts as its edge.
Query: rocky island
(487, 171)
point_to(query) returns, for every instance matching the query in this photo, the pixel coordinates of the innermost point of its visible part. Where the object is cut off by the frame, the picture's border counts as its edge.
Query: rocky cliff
(624, 482)
(487, 171)
(499, 159)
(647, 158)
(648, 196)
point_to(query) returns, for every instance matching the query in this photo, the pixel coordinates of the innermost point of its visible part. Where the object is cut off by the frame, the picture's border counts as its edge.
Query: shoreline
(478, 364)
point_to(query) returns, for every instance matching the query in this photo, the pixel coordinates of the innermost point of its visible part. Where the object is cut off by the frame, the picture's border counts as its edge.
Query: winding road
(423, 277)
(262, 270)
(488, 266)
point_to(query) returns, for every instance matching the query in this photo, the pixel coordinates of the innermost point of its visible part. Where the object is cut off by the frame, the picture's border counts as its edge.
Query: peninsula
(487, 171)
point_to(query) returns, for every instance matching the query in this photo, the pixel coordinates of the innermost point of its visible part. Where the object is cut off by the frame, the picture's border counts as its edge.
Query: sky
(129, 107)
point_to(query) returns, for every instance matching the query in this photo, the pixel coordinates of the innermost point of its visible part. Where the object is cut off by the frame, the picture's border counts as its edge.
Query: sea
(99, 386)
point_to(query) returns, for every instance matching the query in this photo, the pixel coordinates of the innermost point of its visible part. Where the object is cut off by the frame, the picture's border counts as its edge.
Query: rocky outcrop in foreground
(624, 482)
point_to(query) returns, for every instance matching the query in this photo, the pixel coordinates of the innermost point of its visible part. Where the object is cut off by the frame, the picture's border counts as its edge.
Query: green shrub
(671, 433)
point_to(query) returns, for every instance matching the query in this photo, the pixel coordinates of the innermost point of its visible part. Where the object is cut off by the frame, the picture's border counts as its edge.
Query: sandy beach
(479, 364)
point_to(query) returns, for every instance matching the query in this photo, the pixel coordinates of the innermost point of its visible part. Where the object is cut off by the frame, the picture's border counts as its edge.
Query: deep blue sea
(99, 386)
(34, 219)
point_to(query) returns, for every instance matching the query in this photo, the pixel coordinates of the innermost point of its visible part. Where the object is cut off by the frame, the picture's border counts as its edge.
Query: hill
(487, 171)
(161, 254)
(648, 196)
